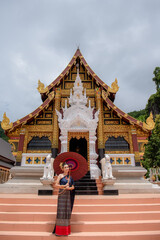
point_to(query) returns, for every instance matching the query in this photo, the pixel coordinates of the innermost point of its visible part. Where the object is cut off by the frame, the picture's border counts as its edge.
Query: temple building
(78, 114)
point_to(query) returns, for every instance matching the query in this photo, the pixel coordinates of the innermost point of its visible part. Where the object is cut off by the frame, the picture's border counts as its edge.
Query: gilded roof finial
(41, 88)
(114, 87)
(149, 125)
(5, 124)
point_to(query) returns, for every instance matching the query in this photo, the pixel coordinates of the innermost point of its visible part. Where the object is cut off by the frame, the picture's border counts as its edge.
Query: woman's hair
(62, 164)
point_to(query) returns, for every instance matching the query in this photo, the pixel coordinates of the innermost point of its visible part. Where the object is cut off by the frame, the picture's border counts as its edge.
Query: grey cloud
(118, 38)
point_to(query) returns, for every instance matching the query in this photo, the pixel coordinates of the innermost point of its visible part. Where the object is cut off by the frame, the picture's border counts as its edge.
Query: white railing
(34, 159)
(122, 159)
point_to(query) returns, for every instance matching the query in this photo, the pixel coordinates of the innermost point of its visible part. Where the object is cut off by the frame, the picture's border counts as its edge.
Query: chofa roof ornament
(114, 87)
(149, 125)
(41, 88)
(5, 124)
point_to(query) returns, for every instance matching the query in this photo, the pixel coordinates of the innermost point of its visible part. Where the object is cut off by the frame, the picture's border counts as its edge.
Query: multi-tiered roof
(108, 95)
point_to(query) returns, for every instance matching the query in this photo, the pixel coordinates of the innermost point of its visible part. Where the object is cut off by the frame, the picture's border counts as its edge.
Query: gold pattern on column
(130, 141)
(55, 118)
(100, 123)
(19, 156)
(25, 141)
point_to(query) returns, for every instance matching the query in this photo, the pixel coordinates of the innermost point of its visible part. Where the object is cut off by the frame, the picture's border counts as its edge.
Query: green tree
(156, 78)
(151, 157)
(153, 104)
(2, 134)
(140, 115)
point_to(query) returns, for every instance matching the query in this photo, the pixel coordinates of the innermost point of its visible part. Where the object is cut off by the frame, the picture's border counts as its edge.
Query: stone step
(131, 235)
(81, 216)
(80, 207)
(94, 217)
(83, 226)
(121, 199)
(85, 184)
(86, 192)
(86, 188)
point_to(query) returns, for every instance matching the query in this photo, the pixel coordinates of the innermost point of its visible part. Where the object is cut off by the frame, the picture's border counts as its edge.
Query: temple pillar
(135, 147)
(55, 140)
(20, 147)
(99, 106)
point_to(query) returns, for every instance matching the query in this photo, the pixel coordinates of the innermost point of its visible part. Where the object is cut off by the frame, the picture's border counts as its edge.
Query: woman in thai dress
(66, 194)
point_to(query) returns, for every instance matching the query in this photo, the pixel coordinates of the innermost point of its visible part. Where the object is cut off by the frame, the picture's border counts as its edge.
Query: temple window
(116, 144)
(38, 143)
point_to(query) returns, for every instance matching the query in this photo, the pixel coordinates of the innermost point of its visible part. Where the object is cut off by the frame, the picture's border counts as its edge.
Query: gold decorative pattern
(149, 125)
(19, 156)
(127, 160)
(41, 88)
(114, 87)
(29, 160)
(119, 161)
(87, 85)
(116, 134)
(99, 106)
(5, 124)
(39, 134)
(104, 94)
(55, 119)
(68, 85)
(112, 160)
(51, 96)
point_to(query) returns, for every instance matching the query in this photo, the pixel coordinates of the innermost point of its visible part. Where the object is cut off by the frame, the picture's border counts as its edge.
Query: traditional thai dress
(64, 208)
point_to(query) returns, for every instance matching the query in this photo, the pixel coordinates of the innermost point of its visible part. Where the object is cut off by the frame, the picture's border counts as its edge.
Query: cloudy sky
(118, 38)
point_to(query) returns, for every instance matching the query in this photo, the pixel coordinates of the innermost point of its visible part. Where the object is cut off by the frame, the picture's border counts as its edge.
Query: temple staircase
(123, 217)
(86, 186)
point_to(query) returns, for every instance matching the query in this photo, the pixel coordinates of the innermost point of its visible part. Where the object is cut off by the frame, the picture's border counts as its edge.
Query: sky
(118, 38)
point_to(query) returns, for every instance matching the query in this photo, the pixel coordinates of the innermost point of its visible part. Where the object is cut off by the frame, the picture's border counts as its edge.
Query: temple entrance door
(79, 146)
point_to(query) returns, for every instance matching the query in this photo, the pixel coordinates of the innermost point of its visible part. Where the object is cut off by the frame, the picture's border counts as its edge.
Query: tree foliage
(156, 78)
(2, 134)
(153, 104)
(151, 157)
(140, 115)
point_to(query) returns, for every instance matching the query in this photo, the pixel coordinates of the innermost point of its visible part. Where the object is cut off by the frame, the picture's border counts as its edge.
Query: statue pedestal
(47, 186)
(108, 182)
(108, 188)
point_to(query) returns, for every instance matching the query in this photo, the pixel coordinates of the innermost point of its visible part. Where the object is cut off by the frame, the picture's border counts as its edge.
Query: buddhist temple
(78, 114)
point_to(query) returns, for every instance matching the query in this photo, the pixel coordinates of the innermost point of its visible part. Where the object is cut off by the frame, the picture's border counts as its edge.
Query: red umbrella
(77, 163)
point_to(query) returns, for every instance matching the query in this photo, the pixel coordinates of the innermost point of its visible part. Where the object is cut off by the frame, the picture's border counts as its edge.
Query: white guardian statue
(106, 167)
(48, 168)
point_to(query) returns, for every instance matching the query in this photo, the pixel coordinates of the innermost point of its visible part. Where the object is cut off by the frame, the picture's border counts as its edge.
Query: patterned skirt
(63, 214)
